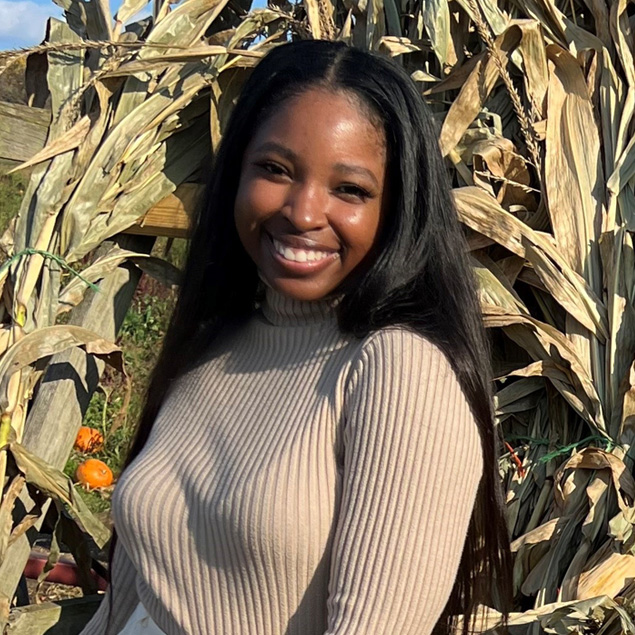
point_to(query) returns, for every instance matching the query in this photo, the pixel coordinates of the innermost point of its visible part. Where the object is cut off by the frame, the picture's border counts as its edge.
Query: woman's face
(311, 193)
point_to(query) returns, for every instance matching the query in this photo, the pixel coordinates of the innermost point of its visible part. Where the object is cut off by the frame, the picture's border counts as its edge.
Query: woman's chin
(301, 290)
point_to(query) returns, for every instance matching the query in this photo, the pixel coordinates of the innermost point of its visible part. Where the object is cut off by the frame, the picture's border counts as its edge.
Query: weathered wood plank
(173, 215)
(66, 617)
(23, 131)
(63, 396)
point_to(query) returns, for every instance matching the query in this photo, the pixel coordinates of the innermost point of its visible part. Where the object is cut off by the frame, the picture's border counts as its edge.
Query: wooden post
(69, 382)
(23, 131)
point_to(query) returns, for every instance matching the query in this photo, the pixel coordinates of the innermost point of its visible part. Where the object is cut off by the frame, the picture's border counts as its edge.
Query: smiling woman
(318, 437)
(310, 197)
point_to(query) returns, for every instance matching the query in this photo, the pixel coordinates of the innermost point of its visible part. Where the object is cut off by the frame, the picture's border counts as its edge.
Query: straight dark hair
(420, 277)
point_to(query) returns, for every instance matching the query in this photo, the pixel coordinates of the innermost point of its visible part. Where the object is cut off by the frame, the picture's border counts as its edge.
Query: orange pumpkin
(89, 440)
(93, 474)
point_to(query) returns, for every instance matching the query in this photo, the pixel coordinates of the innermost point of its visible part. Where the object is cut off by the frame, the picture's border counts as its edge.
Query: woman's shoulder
(401, 379)
(406, 366)
(402, 346)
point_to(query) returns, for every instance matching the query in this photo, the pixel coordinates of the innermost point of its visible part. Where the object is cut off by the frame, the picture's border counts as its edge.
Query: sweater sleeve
(125, 597)
(412, 466)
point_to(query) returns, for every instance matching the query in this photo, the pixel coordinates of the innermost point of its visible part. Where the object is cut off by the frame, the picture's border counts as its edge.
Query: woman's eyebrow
(272, 146)
(346, 168)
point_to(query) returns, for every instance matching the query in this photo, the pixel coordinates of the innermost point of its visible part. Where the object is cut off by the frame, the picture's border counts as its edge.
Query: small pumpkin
(89, 440)
(93, 474)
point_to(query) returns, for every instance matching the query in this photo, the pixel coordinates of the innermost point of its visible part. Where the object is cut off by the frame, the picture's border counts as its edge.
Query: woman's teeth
(299, 255)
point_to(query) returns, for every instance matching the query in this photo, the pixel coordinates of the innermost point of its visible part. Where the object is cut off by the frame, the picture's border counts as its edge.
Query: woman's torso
(229, 512)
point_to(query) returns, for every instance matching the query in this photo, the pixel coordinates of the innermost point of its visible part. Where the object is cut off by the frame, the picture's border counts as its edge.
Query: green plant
(12, 188)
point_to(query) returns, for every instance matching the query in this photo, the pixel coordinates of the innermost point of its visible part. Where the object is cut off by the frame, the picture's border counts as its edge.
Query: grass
(12, 188)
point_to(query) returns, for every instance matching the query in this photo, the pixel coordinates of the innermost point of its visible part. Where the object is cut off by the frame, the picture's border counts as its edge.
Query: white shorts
(140, 623)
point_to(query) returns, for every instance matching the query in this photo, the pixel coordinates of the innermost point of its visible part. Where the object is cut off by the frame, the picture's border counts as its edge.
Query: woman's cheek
(270, 197)
(358, 227)
(259, 199)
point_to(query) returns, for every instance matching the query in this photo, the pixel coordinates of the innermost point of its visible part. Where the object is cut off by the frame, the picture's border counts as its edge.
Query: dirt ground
(51, 592)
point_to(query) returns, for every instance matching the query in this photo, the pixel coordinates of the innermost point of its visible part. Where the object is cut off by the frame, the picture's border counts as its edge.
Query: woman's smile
(300, 255)
(310, 199)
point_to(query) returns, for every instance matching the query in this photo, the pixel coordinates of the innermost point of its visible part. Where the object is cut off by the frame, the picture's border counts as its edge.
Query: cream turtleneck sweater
(299, 482)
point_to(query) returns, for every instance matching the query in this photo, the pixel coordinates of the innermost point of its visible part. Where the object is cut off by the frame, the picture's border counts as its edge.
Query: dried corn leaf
(181, 28)
(436, 17)
(161, 270)
(312, 8)
(583, 305)
(543, 342)
(518, 396)
(173, 168)
(545, 533)
(57, 485)
(627, 416)
(128, 9)
(457, 77)
(624, 170)
(6, 511)
(481, 212)
(90, 18)
(494, 287)
(192, 54)
(69, 140)
(395, 46)
(74, 291)
(621, 31)
(533, 51)
(45, 196)
(45, 342)
(475, 91)
(608, 577)
(611, 98)
(90, 196)
(562, 618)
(621, 348)
(572, 166)
(597, 459)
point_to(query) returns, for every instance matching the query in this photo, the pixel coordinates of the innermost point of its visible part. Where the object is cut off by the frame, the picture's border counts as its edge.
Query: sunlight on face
(311, 193)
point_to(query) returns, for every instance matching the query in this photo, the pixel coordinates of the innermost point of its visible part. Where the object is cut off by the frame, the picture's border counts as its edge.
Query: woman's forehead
(322, 121)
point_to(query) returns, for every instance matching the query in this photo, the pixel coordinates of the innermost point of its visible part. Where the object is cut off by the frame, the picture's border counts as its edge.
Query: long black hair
(421, 276)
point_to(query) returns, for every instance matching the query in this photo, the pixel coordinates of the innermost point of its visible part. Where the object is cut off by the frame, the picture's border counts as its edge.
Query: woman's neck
(282, 310)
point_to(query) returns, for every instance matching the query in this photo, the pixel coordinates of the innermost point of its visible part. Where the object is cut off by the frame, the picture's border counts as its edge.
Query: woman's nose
(305, 207)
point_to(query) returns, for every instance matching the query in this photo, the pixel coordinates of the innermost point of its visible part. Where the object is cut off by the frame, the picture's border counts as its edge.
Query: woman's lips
(300, 259)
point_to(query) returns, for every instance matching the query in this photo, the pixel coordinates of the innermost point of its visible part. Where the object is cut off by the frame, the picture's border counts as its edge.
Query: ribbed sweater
(299, 482)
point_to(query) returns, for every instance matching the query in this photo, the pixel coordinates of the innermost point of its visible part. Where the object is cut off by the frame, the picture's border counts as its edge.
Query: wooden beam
(65, 617)
(65, 391)
(23, 131)
(173, 215)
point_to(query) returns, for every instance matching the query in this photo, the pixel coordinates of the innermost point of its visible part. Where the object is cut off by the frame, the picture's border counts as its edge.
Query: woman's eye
(353, 191)
(272, 168)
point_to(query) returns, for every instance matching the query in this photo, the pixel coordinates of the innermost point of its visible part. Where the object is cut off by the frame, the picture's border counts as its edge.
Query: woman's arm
(412, 465)
(124, 600)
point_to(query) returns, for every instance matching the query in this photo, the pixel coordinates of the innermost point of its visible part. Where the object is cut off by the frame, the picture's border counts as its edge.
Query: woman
(317, 452)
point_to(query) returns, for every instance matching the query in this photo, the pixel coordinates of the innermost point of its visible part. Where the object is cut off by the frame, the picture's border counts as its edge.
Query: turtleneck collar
(281, 310)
